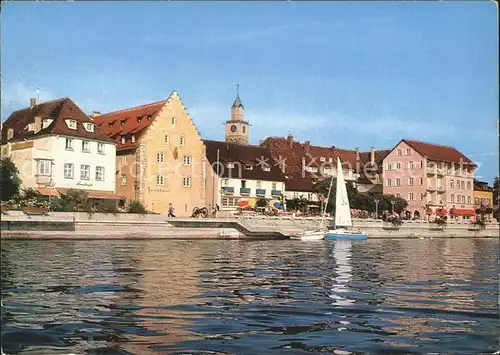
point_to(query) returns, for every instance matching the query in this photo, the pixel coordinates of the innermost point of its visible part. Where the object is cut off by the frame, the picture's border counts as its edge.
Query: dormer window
(71, 124)
(123, 140)
(322, 159)
(122, 122)
(46, 122)
(139, 118)
(133, 138)
(248, 167)
(110, 124)
(89, 127)
(30, 127)
(330, 160)
(230, 165)
(266, 168)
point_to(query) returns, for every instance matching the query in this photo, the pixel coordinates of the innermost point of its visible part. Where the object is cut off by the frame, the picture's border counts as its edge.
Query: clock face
(233, 128)
(244, 129)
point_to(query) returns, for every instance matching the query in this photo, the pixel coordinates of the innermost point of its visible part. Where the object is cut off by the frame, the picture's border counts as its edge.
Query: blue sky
(336, 73)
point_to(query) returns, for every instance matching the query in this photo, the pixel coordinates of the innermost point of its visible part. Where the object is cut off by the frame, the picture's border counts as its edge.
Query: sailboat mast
(326, 204)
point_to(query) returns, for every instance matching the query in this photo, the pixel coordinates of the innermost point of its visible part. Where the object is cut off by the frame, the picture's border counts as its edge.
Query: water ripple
(237, 297)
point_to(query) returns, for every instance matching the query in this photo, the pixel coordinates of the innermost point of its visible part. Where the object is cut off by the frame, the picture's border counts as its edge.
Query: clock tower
(237, 129)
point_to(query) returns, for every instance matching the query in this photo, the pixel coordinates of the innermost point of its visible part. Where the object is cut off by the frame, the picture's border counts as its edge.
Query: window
(71, 124)
(85, 172)
(389, 166)
(463, 185)
(408, 151)
(166, 138)
(44, 167)
(469, 200)
(409, 165)
(476, 200)
(398, 165)
(160, 158)
(410, 196)
(421, 163)
(160, 180)
(124, 179)
(267, 168)
(452, 198)
(230, 165)
(410, 181)
(273, 186)
(322, 159)
(243, 183)
(100, 148)
(183, 141)
(174, 121)
(46, 122)
(452, 183)
(99, 173)
(123, 140)
(85, 146)
(259, 184)
(398, 194)
(398, 182)
(124, 159)
(330, 160)
(248, 167)
(89, 127)
(133, 138)
(463, 198)
(186, 182)
(421, 196)
(420, 181)
(399, 152)
(187, 160)
(69, 144)
(225, 182)
(229, 202)
(468, 185)
(388, 182)
(68, 171)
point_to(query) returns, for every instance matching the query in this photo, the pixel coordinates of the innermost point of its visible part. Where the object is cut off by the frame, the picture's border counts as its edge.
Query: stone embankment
(61, 225)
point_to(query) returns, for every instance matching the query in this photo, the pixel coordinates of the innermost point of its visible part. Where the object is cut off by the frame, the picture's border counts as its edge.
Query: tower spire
(237, 100)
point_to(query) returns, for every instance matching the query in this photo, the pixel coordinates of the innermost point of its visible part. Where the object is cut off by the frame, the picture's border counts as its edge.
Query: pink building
(432, 178)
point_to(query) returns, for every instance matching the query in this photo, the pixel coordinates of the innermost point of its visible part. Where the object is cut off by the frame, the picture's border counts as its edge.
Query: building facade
(240, 175)
(57, 147)
(483, 197)
(160, 156)
(430, 177)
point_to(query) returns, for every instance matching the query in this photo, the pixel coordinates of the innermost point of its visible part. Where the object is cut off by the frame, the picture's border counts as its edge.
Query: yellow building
(483, 195)
(160, 156)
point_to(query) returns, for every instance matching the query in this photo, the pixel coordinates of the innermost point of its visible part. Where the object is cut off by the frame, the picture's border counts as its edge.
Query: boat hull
(343, 235)
(319, 235)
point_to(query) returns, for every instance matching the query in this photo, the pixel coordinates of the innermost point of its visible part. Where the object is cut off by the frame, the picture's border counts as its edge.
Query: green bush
(136, 207)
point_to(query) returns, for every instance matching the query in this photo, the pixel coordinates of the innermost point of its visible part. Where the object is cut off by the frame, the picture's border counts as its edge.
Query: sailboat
(343, 212)
(316, 234)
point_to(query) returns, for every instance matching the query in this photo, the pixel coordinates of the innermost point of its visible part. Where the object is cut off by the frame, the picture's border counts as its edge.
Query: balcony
(260, 192)
(228, 190)
(431, 188)
(245, 191)
(275, 193)
(440, 189)
(43, 179)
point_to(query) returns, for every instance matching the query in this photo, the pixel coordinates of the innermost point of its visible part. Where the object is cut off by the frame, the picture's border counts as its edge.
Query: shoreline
(81, 226)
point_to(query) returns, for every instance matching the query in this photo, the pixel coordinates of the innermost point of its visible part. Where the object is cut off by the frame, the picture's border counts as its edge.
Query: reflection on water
(152, 297)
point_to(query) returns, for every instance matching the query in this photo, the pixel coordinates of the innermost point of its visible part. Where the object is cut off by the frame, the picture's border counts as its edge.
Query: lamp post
(376, 207)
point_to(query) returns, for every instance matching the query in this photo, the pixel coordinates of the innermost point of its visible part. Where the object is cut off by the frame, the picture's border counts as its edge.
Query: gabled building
(160, 155)
(431, 178)
(56, 147)
(306, 164)
(483, 195)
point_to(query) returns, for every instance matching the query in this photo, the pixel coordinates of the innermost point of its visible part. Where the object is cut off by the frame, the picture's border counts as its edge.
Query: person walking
(171, 210)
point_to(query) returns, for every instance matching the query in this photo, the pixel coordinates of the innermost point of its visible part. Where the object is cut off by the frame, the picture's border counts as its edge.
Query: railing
(228, 189)
(260, 192)
(275, 192)
(245, 191)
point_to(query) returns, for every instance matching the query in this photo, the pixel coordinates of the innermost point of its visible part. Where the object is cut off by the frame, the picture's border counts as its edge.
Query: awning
(429, 212)
(462, 212)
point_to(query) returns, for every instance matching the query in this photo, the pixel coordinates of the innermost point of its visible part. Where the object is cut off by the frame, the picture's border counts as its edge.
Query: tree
(73, 201)
(9, 179)
(136, 207)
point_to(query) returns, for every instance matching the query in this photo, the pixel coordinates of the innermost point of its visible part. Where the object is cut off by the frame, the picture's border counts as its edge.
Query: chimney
(94, 114)
(290, 140)
(32, 102)
(307, 145)
(357, 154)
(38, 124)
(372, 156)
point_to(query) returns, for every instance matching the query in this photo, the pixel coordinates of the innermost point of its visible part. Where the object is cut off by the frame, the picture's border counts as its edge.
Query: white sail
(342, 208)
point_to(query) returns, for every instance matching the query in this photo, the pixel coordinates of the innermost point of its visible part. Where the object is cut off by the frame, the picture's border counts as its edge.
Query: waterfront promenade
(62, 225)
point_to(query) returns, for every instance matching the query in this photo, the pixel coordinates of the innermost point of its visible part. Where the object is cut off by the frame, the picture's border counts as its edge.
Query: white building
(56, 147)
(240, 175)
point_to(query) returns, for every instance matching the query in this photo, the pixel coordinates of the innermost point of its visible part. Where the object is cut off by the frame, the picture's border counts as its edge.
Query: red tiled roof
(129, 121)
(57, 110)
(436, 152)
(244, 154)
(302, 185)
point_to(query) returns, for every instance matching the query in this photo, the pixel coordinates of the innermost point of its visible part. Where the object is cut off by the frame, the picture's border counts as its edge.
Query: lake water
(250, 297)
